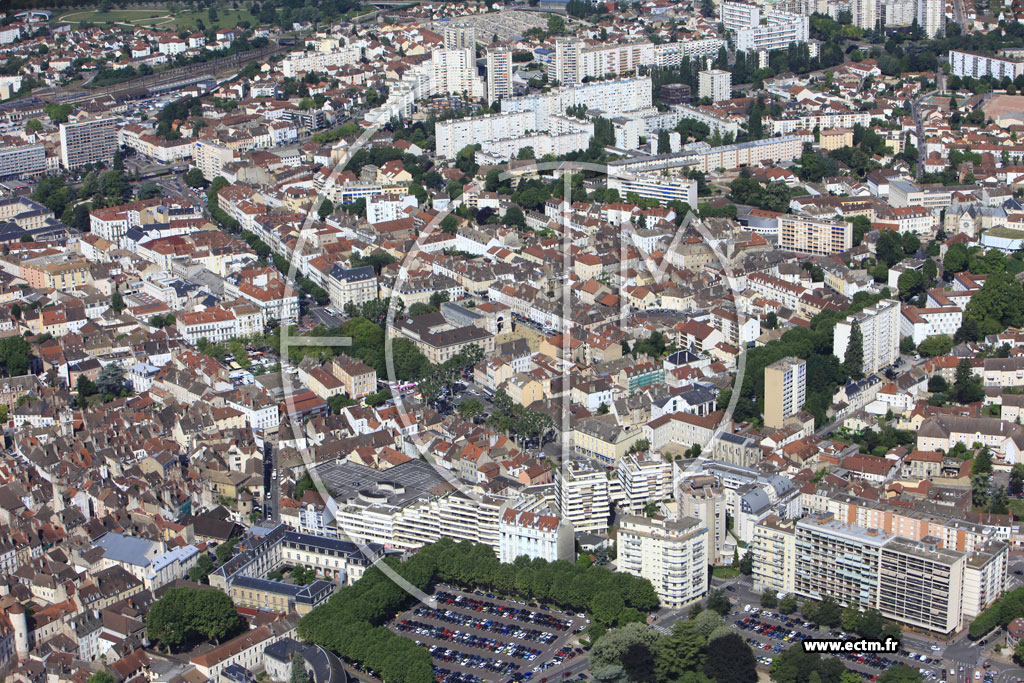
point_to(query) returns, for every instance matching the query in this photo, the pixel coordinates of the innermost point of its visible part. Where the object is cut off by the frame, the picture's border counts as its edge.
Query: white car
(935, 648)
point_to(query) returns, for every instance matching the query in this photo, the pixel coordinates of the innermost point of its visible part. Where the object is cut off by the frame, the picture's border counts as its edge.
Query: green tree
(679, 653)
(956, 259)
(556, 24)
(730, 660)
(184, 616)
(889, 248)
(325, 209)
(788, 603)
(853, 361)
(299, 674)
(937, 345)
(901, 673)
(609, 648)
(1017, 477)
(769, 598)
(719, 602)
(747, 563)
(117, 302)
(194, 178)
(111, 380)
(101, 677)
(33, 126)
(707, 621)
(998, 305)
(910, 283)
(15, 354)
(202, 568)
(967, 386)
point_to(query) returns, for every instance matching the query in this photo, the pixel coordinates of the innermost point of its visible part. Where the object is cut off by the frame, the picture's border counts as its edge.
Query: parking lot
(475, 637)
(770, 634)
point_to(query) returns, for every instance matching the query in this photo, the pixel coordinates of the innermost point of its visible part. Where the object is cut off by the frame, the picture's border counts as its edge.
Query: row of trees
(351, 622)
(1002, 612)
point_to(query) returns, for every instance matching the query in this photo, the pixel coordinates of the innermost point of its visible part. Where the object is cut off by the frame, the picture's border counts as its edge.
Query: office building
(88, 142)
(776, 32)
(880, 328)
(974, 65)
(814, 236)
(459, 36)
(931, 17)
(671, 554)
(785, 390)
(715, 84)
(22, 161)
(651, 186)
(499, 74)
(736, 15)
(536, 536)
(582, 496)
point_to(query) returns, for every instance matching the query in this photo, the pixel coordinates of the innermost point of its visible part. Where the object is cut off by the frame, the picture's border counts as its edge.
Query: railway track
(182, 75)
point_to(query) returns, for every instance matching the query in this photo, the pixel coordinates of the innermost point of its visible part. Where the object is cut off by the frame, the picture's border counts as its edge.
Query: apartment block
(582, 496)
(704, 499)
(735, 15)
(976, 65)
(22, 161)
(671, 554)
(813, 236)
(644, 479)
(536, 536)
(838, 560)
(778, 31)
(351, 286)
(920, 584)
(785, 390)
(773, 548)
(931, 16)
(88, 142)
(499, 74)
(880, 328)
(715, 84)
(564, 65)
(458, 36)
(453, 72)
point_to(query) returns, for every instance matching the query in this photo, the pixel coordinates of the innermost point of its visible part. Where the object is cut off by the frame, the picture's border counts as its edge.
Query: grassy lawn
(158, 17)
(725, 572)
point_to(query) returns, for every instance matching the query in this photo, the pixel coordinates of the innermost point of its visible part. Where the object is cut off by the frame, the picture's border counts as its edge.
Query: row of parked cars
(540, 618)
(473, 661)
(468, 639)
(489, 625)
